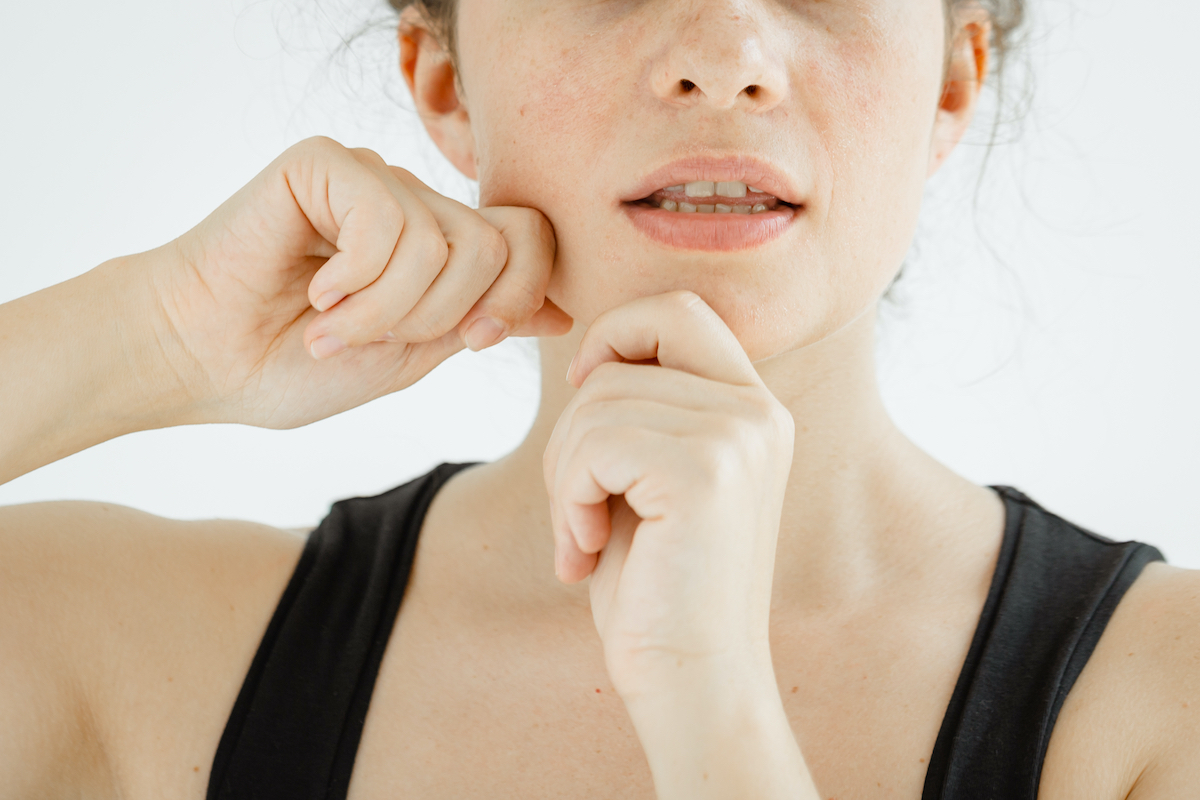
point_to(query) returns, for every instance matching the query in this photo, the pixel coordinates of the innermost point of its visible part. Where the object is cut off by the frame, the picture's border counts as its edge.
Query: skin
(719, 638)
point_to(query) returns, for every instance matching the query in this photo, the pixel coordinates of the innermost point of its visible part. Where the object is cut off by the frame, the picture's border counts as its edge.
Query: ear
(965, 73)
(431, 76)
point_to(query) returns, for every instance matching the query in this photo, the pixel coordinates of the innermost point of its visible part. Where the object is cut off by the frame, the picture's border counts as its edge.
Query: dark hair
(1007, 17)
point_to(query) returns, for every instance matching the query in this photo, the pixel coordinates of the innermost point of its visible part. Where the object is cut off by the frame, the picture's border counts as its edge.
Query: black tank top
(297, 721)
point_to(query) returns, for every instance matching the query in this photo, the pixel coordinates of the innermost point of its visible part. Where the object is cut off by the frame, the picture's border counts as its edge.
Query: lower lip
(712, 232)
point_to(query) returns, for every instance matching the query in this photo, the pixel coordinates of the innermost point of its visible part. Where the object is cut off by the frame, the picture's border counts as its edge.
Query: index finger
(677, 328)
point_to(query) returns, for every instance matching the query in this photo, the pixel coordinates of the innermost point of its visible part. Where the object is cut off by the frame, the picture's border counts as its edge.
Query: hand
(332, 279)
(666, 481)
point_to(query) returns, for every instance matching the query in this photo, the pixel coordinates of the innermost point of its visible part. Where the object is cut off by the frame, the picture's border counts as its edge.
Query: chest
(528, 712)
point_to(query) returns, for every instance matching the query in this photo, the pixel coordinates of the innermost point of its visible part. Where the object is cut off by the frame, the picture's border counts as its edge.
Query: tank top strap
(296, 725)
(1054, 590)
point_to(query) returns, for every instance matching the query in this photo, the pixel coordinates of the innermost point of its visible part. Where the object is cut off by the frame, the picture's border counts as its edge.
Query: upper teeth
(712, 188)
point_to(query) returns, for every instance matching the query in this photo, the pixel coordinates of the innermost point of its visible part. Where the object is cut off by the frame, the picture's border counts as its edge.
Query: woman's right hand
(332, 279)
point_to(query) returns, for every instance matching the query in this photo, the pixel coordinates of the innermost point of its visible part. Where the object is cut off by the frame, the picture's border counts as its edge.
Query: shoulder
(1167, 676)
(135, 631)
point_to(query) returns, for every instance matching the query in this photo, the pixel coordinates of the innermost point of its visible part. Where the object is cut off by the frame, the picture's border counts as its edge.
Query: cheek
(543, 118)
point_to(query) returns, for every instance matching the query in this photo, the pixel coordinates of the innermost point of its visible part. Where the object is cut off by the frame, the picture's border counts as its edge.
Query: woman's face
(591, 110)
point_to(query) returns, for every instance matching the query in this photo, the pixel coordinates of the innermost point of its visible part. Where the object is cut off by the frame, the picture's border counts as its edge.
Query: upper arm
(124, 636)
(1172, 688)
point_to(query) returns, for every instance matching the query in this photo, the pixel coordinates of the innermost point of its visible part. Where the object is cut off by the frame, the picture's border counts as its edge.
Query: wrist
(722, 735)
(142, 384)
(82, 366)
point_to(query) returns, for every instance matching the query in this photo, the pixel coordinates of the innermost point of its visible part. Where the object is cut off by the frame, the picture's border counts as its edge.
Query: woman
(809, 607)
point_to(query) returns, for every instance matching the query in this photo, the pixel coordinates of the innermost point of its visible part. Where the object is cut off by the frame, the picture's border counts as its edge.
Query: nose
(717, 57)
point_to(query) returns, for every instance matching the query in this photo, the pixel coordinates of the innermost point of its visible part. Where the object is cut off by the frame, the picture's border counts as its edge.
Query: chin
(766, 320)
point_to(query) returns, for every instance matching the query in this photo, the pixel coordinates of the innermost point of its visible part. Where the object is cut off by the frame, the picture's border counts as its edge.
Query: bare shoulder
(124, 639)
(1168, 621)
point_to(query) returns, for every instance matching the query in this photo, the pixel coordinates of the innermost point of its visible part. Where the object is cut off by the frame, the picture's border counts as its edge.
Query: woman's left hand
(666, 474)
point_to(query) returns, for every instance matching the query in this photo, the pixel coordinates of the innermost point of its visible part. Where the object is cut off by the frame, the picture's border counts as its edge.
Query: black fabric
(297, 722)
(1054, 590)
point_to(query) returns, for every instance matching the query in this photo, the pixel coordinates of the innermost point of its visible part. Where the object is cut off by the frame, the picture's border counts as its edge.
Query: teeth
(755, 190)
(700, 189)
(722, 209)
(687, 208)
(758, 208)
(741, 209)
(678, 188)
(669, 205)
(705, 209)
(731, 189)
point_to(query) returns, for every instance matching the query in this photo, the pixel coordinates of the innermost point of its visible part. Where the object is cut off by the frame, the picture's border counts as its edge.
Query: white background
(1046, 340)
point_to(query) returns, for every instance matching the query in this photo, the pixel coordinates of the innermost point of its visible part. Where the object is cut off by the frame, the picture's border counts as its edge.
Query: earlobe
(431, 77)
(965, 76)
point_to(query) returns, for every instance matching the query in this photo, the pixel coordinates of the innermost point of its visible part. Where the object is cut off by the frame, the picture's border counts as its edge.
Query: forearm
(728, 738)
(80, 364)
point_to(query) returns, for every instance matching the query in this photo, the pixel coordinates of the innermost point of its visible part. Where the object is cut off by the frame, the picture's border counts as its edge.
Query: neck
(866, 515)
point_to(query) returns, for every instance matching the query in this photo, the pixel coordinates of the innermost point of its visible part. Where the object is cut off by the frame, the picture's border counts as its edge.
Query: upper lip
(750, 170)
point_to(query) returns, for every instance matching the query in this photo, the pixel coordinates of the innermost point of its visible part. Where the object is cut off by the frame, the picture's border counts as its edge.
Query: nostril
(752, 89)
(687, 85)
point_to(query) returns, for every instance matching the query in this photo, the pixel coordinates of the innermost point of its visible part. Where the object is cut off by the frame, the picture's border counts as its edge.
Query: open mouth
(713, 197)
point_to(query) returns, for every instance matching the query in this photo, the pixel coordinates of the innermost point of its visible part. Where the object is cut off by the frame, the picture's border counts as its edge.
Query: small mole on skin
(795, 689)
(597, 691)
(922, 761)
(195, 769)
(1131, 654)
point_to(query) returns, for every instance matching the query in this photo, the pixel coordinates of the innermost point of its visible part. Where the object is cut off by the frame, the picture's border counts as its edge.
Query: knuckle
(423, 327)
(367, 156)
(491, 248)
(316, 144)
(431, 246)
(538, 228)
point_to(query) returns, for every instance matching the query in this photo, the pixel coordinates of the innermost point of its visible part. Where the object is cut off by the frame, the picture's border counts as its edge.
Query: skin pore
(850, 106)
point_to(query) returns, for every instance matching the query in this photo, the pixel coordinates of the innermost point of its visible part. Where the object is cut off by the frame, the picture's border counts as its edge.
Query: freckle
(170, 679)
(231, 606)
(1185, 705)
(922, 760)
(706, 776)
(195, 769)
(597, 691)
(485, 547)
(679, 663)
(1177, 638)
(795, 689)
(877, 783)
(1131, 654)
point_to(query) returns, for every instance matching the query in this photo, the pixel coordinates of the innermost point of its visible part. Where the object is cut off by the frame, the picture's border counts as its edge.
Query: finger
(678, 329)
(578, 421)
(376, 298)
(549, 320)
(523, 240)
(477, 257)
(519, 292)
(608, 461)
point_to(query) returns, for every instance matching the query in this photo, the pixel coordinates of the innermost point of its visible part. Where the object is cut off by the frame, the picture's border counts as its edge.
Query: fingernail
(326, 346)
(573, 360)
(388, 337)
(329, 300)
(482, 333)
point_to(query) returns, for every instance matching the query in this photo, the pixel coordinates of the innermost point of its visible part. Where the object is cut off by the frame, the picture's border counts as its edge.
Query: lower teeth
(717, 208)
